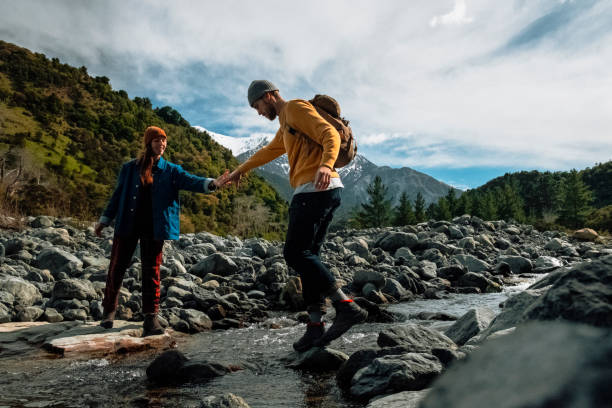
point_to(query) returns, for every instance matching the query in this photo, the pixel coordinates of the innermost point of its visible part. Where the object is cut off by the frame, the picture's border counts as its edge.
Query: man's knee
(293, 255)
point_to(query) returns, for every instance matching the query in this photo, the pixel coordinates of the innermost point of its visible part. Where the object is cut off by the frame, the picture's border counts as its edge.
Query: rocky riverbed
(223, 287)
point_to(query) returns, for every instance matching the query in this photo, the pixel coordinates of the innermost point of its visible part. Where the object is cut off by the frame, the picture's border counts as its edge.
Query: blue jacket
(168, 179)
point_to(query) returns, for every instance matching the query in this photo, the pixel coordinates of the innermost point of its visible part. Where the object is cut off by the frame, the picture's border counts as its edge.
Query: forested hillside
(64, 135)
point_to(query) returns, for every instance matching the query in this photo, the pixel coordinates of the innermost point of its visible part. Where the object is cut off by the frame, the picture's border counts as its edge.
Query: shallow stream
(33, 378)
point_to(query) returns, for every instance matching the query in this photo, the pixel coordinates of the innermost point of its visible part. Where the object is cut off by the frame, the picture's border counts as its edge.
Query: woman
(145, 205)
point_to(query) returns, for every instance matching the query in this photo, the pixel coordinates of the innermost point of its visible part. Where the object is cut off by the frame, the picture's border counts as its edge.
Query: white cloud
(457, 16)
(416, 96)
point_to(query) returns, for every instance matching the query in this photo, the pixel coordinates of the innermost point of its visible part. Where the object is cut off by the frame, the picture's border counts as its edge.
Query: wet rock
(404, 399)
(318, 359)
(275, 273)
(200, 371)
(583, 294)
(216, 263)
(469, 325)
(57, 260)
(164, 369)
(452, 273)
(472, 263)
(224, 401)
(23, 293)
(76, 314)
(42, 222)
(361, 359)
(518, 264)
(291, 295)
(390, 374)
(393, 288)
(427, 270)
(546, 262)
(74, 289)
(479, 281)
(502, 268)
(415, 338)
(441, 316)
(376, 314)
(548, 363)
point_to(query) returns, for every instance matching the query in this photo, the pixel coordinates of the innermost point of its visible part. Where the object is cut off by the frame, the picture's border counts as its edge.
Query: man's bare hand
(322, 178)
(99, 228)
(222, 180)
(234, 178)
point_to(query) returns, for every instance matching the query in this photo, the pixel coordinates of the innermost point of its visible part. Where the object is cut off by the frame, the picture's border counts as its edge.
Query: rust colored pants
(121, 255)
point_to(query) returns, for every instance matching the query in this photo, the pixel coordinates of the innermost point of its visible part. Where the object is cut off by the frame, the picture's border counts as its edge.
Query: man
(312, 146)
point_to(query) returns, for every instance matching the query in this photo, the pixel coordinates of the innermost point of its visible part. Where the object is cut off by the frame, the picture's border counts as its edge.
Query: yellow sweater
(305, 157)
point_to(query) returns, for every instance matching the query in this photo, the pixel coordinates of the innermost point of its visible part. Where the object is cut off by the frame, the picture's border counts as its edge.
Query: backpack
(329, 109)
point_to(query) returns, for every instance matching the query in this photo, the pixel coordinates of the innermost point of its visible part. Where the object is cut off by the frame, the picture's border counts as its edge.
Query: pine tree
(419, 208)
(575, 200)
(464, 204)
(432, 211)
(376, 212)
(451, 200)
(404, 214)
(443, 209)
(509, 202)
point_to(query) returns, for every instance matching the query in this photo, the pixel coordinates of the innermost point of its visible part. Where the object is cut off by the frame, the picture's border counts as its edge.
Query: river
(33, 378)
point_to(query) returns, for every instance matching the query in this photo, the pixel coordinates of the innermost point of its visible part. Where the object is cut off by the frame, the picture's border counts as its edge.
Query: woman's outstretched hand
(222, 180)
(234, 178)
(99, 228)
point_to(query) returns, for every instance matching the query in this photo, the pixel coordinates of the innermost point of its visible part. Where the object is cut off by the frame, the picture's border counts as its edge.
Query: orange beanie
(153, 132)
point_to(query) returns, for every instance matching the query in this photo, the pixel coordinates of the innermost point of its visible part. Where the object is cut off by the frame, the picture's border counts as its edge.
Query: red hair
(146, 156)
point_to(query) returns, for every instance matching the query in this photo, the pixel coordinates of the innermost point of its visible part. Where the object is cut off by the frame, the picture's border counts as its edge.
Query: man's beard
(270, 112)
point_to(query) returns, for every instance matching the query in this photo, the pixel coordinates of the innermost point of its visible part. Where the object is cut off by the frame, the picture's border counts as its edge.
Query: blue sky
(462, 90)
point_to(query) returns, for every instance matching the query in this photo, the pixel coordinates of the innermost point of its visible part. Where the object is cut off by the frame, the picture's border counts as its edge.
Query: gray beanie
(258, 88)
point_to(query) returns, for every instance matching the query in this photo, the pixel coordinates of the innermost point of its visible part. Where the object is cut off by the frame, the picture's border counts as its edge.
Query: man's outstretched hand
(221, 181)
(234, 178)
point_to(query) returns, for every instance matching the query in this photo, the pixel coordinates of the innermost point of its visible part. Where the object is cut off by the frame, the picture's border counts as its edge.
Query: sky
(463, 90)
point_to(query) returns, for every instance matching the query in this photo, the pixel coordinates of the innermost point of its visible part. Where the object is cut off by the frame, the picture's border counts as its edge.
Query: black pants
(309, 217)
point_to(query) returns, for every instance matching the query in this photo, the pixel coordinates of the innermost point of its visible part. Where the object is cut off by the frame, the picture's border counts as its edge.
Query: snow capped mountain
(239, 145)
(356, 176)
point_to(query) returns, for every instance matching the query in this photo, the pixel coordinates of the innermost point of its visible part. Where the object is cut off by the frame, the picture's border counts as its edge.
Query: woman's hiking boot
(151, 326)
(107, 320)
(348, 313)
(314, 330)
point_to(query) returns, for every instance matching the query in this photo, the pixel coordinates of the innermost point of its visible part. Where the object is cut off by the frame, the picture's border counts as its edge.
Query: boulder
(518, 264)
(389, 374)
(57, 260)
(479, 281)
(318, 359)
(198, 321)
(472, 263)
(275, 273)
(585, 234)
(363, 276)
(74, 289)
(403, 252)
(292, 295)
(224, 401)
(29, 314)
(393, 288)
(583, 294)
(394, 240)
(414, 338)
(539, 366)
(361, 359)
(451, 273)
(469, 325)
(219, 264)
(23, 293)
(164, 369)
(404, 399)
(547, 262)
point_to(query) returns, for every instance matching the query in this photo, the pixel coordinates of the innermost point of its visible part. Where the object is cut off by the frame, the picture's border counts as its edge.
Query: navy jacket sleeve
(191, 182)
(113, 204)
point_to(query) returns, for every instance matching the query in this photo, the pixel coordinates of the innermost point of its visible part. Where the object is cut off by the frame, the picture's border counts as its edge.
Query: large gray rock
(404, 399)
(538, 366)
(319, 359)
(518, 264)
(24, 293)
(472, 263)
(57, 260)
(363, 276)
(219, 264)
(394, 240)
(29, 314)
(224, 401)
(415, 338)
(583, 294)
(389, 374)
(198, 321)
(547, 262)
(74, 289)
(472, 279)
(469, 325)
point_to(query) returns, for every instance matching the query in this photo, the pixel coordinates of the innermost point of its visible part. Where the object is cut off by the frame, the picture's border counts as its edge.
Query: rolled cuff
(206, 183)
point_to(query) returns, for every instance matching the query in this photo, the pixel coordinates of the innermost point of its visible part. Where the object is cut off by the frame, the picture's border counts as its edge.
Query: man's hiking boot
(151, 326)
(107, 320)
(313, 332)
(347, 315)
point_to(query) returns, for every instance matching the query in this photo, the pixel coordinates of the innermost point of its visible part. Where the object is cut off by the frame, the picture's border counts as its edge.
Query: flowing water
(32, 378)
